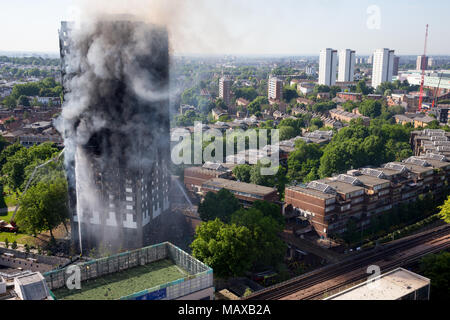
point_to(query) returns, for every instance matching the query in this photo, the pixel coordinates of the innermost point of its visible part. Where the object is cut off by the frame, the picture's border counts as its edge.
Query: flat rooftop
(389, 286)
(312, 192)
(116, 285)
(341, 187)
(239, 186)
(371, 181)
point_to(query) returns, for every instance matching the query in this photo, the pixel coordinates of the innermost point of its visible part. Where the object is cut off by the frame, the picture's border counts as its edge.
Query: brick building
(247, 193)
(359, 195)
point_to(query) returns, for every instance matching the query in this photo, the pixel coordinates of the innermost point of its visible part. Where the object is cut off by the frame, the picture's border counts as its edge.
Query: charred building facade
(116, 128)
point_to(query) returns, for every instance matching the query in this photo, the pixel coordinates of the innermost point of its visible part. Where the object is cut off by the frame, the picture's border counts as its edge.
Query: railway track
(354, 263)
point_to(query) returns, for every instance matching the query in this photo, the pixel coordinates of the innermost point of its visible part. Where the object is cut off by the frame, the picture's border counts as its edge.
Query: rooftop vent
(349, 179)
(374, 173)
(395, 166)
(417, 162)
(434, 156)
(322, 187)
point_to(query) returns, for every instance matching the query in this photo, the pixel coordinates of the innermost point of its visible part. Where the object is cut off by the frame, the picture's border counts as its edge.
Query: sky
(295, 27)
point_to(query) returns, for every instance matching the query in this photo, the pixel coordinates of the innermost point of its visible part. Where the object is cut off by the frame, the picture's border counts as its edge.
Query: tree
(287, 132)
(361, 87)
(277, 179)
(445, 210)
(8, 152)
(268, 247)
(270, 209)
(228, 249)
(218, 205)
(256, 104)
(289, 93)
(221, 104)
(370, 108)
(23, 101)
(242, 172)
(303, 160)
(43, 207)
(437, 268)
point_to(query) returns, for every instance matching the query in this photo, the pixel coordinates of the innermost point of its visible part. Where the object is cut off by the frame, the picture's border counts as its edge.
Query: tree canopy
(218, 205)
(43, 207)
(228, 249)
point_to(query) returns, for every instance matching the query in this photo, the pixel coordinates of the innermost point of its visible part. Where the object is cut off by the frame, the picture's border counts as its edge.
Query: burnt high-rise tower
(115, 123)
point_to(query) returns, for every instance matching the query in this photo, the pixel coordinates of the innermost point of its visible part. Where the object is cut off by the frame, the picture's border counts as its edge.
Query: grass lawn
(19, 237)
(120, 284)
(10, 199)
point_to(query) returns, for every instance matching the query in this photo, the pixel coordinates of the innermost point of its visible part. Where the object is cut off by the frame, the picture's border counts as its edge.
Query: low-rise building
(360, 194)
(247, 193)
(349, 96)
(343, 115)
(194, 177)
(399, 284)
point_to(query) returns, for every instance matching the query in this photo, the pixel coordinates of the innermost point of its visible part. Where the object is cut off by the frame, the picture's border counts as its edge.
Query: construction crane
(423, 67)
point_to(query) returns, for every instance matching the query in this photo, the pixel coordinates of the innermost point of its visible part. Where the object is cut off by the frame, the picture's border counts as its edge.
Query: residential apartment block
(225, 90)
(347, 62)
(275, 89)
(383, 66)
(327, 67)
(361, 194)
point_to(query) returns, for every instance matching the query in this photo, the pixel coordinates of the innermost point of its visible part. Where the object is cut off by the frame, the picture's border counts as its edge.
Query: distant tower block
(347, 62)
(327, 67)
(383, 66)
(225, 90)
(275, 89)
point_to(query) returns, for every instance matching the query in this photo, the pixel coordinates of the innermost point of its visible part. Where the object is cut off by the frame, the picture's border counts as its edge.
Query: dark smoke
(115, 123)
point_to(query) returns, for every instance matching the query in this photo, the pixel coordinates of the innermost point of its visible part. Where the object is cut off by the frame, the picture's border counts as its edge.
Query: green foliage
(286, 133)
(228, 249)
(361, 87)
(356, 146)
(436, 267)
(268, 248)
(277, 180)
(248, 93)
(370, 108)
(20, 162)
(23, 101)
(43, 207)
(14, 245)
(189, 118)
(322, 107)
(242, 172)
(6, 243)
(270, 209)
(304, 160)
(289, 93)
(256, 104)
(445, 210)
(218, 205)
(321, 88)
